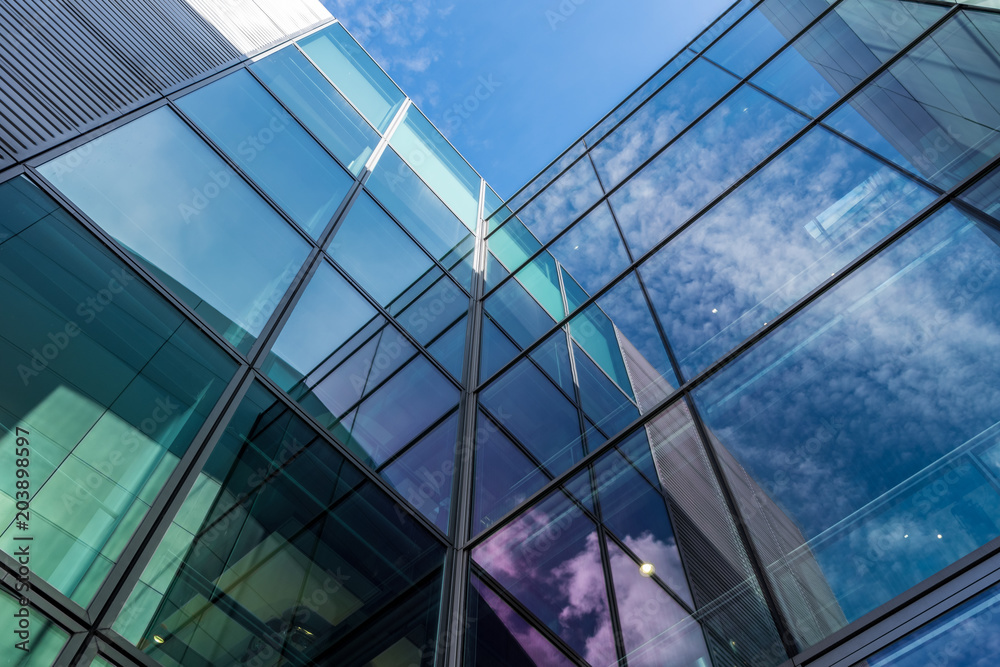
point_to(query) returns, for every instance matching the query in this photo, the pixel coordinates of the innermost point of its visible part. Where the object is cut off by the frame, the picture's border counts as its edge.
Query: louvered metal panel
(67, 66)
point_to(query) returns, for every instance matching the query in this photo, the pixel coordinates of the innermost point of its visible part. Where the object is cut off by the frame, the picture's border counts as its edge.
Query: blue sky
(512, 83)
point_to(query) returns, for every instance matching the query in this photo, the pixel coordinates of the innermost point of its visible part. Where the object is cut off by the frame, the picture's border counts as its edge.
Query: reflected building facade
(285, 382)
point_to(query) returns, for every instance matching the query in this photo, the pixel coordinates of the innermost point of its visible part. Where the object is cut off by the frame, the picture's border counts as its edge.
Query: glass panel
(357, 76)
(562, 201)
(168, 198)
(439, 164)
(495, 271)
(449, 348)
(936, 111)
(527, 403)
(656, 630)
(799, 220)
(436, 307)
(604, 402)
(319, 106)
(505, 476)
(639, 96)
(538, 182)
(659, 120)
(423, 473)
(553, 357)
(842, 49)
(865, 427)
(592, 250)
(498, 635)
(513, 244)
(966, 635)
(541, 279)
(104, 387)
(274, 150)
(496, 349)
(492, 203)
(519, 314)
(282, 547)
(418, 209)
(732, 15)
(707, 159)
(376, 252)
(550, 560)
(30, 638)
(985, 194)
(762, 32)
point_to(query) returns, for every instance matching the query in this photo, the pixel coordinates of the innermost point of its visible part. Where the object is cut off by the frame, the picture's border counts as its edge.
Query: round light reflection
(647, 570)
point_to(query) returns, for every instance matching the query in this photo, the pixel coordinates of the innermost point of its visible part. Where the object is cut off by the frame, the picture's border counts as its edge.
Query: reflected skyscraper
(285, 382)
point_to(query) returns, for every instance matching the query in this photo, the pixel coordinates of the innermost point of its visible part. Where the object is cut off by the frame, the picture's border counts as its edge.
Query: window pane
(732, 15)
(320, 107)
(842, 49)
(866, 427)
(439, 165)
(449, 348)
(937, 110)
(799, 220)
(513, 244)
(710, 156)
(518, 313)
(659, 120)
(592, 251)
(540, 181)
(42, 640)
(104, 384)
(356, 75)
(274, 150)
(562, 202)
(169, 199)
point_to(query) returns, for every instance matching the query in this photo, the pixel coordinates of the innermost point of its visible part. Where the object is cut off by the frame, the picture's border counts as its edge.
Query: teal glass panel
(604, 402)
(376, 252)
(702, 163)
(965, 635)
(934, 111)
(660, 119)
(562, 202)
(845, 46)
(638, 97)
(528, 405)
(319, 106)
(172, 202)
(518, 313)
(259, 135)
(423, 473)
(505, 476)
(592, 250)
(103, 388)
(418, 209)
(355, 74)
(283, 550)
(655, 628)
(498, 635)
(701, 284)
(32, 639)
(513, 244)
(497, 349)
(449, 348)
(597, 334)
(549, 576)
(540, 277)
(762, 32)
(732, 15)
(575, 296)
(439, 165)
(866, 426)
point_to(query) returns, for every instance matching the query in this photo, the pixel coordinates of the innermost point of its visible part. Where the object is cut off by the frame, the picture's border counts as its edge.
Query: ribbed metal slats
(67, 66)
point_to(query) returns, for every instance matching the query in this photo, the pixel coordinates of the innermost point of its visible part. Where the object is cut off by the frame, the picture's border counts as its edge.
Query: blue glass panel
(935, 111)
(319, 106)
(862, 422)
(842, 49)
(259, 135)
(710, 294)
(439, 164)
(505, 477)
(357, 76)
(659, 120)
(592, 250)
(639, 96)
(168, 198)
(655, 628)
(732, 15)
(562, 201)
(553, 357)
(561, 580)
(495, 271)
(496, 350)
(376, 252)
(449, 348)
(603, 401)
(701, 164)
(580, 487)
(575, 295)
(762, 32)
(538, 182)
(537, 414)
(520, 315)
(636, 450)
(434, 310)
(985, 194)
(423, 473)
(492, 202)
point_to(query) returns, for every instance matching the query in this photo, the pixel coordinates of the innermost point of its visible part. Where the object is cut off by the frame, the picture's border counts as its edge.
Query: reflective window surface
(274, 150)
(318, 105)
(356, 75)
(937, 110)
(732, 15)
(799, 220)
(562, 201)
(104, 386)
(283, 548)
(867, 426)
(157, 189)
(44, 639)
(539, 182)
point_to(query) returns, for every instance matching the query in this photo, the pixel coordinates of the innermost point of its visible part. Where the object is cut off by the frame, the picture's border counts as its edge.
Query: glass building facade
(285, 382)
